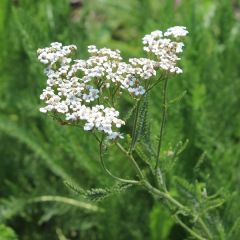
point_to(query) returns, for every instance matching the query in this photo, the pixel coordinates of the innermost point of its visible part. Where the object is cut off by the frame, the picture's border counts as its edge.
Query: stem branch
(108, 172)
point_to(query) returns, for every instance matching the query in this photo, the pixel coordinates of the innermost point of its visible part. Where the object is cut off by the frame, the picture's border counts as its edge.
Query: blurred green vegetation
(37, 154)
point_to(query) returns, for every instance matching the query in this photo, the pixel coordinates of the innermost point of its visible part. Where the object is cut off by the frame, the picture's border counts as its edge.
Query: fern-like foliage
(98, 194)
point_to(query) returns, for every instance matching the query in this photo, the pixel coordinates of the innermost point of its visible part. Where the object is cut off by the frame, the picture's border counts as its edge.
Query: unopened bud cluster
(80, 89)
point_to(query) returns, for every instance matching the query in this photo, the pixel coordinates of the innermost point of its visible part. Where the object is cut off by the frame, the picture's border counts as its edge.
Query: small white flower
(114, 135)
(43, 110)
(88, 126)
(177, 31)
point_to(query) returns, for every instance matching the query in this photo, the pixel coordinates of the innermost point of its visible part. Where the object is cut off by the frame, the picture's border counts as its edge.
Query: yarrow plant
(86, 93)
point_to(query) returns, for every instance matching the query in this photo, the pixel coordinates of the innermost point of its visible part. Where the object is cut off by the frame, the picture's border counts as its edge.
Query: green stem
(134, 126)
(167, 196)
(172, 200)
(114, 93)
(204, 226)
(150, 86)
(131, 158)
(189, 230)
(164, 112)
(149, 187)
(109, 172)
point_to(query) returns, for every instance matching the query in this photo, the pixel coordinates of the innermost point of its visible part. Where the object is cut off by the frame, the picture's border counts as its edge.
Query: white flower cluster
(68, 94)
(77, 88)
(55, 53)
(166, 49)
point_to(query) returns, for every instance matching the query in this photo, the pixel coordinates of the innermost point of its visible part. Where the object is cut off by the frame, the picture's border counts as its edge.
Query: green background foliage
(38, 154)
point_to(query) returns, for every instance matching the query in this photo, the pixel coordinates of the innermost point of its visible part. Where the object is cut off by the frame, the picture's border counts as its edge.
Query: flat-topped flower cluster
(80, 89)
